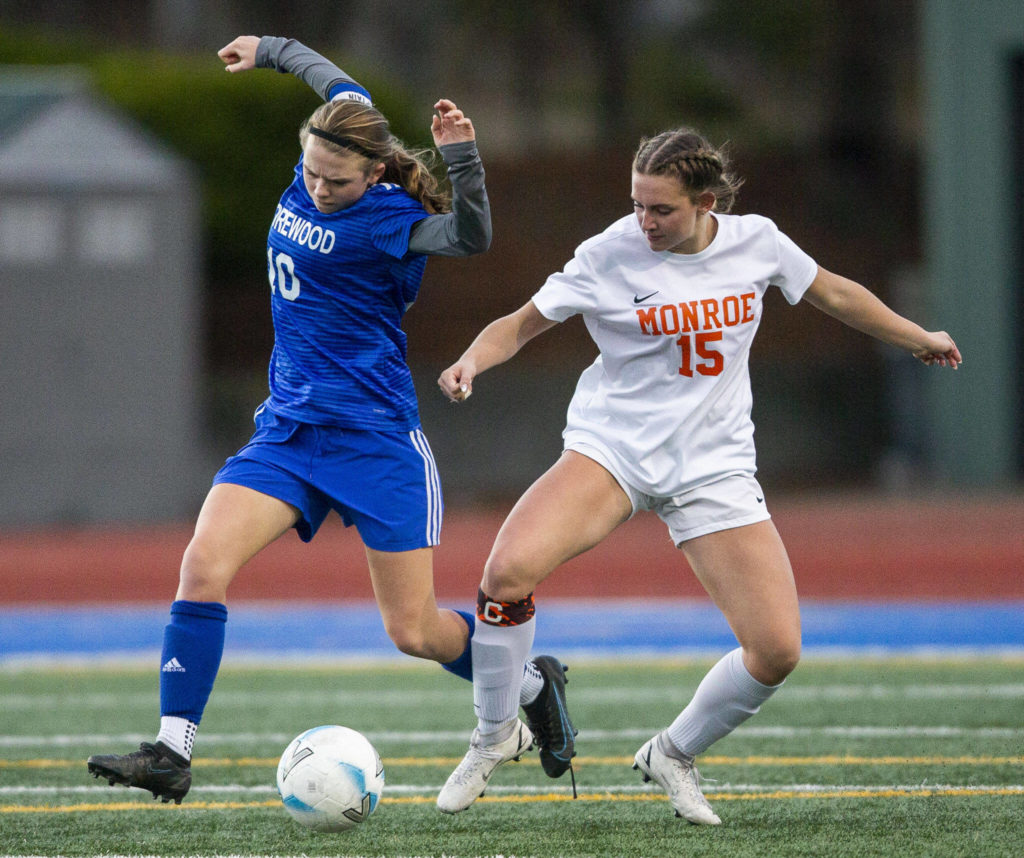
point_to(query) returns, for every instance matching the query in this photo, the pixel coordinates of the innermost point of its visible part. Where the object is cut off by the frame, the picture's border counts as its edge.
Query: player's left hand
(450, 125)
(941, 351)
(240, 54)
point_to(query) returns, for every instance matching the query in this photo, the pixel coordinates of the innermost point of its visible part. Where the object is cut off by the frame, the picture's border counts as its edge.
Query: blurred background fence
(137, 181)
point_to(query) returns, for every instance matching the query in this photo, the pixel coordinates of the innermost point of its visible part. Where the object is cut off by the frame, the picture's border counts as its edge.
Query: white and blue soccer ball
(330, 778)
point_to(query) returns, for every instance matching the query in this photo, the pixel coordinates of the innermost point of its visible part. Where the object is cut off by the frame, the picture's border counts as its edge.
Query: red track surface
(841, 548)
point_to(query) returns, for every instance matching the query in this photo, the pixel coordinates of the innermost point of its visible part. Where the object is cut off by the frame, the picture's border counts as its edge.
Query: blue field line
(289, 630)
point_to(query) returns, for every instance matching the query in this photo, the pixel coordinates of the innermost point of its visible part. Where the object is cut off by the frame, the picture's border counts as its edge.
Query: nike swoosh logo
(760, 500)
(637, 300)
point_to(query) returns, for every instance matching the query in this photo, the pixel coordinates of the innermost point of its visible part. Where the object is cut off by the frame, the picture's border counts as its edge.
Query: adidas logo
(173, 666)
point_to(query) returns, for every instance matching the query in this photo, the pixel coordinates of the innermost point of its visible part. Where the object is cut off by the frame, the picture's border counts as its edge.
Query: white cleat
(469, 780)
(680, 780)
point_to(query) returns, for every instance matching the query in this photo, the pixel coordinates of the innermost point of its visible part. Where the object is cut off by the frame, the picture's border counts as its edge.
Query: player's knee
(507, 576)
(787, 658)
(410, 641)
(204, 575)
(777, 660)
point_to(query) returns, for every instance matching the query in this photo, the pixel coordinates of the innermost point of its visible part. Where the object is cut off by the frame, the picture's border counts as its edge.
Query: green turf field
(852, 758)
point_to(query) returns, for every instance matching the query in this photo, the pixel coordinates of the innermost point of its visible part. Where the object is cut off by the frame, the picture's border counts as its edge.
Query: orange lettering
(748, 311)
(648, 324)
(710, 307)
(669, 326)
(731, 311)
(690, 322)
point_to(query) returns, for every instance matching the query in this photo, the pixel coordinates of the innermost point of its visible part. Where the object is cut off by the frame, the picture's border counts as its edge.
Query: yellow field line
(772, 795)
(708, 760)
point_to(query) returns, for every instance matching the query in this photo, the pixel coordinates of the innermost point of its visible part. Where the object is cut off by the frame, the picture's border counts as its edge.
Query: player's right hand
(456, 382)
(240, 54)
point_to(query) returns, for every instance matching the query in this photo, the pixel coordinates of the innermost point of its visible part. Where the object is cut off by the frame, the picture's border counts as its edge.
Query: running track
(942, 574)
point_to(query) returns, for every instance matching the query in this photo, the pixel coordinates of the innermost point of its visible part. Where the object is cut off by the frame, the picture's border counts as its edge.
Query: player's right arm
(494, 345)
(292, 57)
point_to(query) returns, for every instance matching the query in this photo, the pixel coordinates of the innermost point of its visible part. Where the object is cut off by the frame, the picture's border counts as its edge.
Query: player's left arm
(292, 57)
(466, 229)
(852, 304)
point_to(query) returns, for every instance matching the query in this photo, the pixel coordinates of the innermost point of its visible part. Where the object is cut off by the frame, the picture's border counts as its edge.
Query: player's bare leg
(234, 524)
(571, 508)
(746, 572)
(403, 584)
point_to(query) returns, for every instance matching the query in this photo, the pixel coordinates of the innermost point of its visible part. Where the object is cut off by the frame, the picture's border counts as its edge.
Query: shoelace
(698, 780)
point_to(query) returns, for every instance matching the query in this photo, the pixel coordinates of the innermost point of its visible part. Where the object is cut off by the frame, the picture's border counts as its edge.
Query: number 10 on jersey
(281, 270)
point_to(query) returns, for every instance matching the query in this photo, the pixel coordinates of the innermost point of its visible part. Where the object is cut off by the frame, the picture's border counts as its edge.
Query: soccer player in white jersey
(672, 296)
(340, 430)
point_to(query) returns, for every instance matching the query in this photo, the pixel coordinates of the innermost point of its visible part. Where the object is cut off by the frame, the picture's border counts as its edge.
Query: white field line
(496, 789)
(421, 789)
(427, 737)
(584, 696)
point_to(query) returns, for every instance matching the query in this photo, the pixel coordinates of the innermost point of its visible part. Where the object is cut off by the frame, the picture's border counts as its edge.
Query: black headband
(344, 143)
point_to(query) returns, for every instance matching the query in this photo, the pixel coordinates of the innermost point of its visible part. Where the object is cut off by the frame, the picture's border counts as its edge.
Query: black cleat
(154, 767)
(548, 719)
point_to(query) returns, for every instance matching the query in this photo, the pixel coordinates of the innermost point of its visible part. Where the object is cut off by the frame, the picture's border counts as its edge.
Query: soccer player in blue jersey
(340, 430)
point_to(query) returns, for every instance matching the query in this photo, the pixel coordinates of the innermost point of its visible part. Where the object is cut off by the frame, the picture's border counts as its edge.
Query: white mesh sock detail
(533, 682)
(726, 697)
(499, 653)
(178, 734)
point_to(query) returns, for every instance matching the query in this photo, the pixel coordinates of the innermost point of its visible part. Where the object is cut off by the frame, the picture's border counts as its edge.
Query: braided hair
(694, 162)
(353, 127)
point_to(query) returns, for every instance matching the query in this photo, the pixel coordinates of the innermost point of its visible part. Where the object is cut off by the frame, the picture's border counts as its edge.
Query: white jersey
(669, 395)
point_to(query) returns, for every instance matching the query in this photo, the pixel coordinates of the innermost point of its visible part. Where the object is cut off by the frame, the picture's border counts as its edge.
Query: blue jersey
(340, 284)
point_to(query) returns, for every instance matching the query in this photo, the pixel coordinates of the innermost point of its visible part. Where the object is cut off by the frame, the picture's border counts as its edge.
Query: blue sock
(463, 665)
(193, 645)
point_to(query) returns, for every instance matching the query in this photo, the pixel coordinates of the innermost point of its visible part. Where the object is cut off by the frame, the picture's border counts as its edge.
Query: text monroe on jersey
(703, 315)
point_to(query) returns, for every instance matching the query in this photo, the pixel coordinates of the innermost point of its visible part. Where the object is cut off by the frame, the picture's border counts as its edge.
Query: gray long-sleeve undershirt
(463, 231)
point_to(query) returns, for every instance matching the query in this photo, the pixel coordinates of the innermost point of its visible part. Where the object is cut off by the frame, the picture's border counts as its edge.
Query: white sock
(499, 653)
(726, 697)
(178, 734)
(533, 682)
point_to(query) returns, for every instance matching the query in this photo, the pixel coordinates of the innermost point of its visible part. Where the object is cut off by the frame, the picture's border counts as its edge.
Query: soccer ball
(330, 778)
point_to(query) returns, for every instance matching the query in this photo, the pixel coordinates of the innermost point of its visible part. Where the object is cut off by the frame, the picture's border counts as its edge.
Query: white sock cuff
(178, 734)
(745, 682)
(488, 632)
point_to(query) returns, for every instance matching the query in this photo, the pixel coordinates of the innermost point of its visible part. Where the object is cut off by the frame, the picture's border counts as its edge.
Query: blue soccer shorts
(385, 483)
